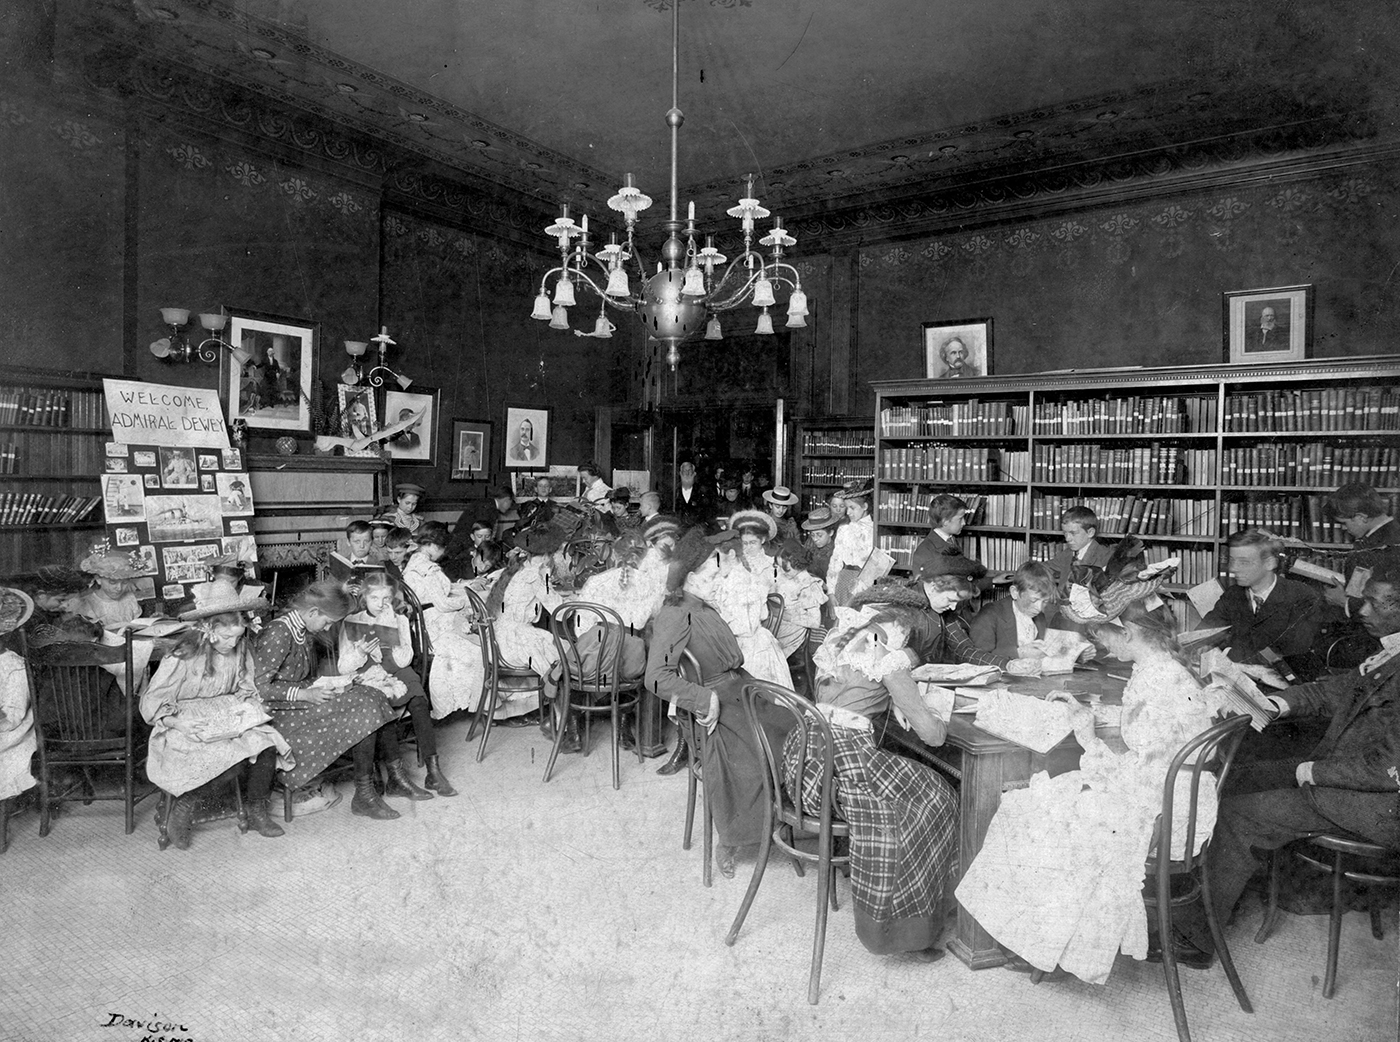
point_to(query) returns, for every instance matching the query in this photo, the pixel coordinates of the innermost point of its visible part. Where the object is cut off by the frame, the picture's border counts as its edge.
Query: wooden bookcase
(830, 451)
(1180, 456)
(53, 429)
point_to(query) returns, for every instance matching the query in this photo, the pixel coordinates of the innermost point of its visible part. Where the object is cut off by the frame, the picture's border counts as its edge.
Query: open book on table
(1062, 650)
(1024, 719)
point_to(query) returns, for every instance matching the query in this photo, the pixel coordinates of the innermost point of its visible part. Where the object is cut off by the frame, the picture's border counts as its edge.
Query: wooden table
(984, 766)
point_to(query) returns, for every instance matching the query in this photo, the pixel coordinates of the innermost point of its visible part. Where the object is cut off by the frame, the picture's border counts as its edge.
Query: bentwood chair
(790, 816)
(498, 675)
(84, 719)
(776, 604)
(589, 638)
(1346, 859)
(697, 739)
(422, 660)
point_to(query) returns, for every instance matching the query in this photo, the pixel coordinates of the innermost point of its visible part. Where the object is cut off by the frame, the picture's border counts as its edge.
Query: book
(878, 565)
(1032, 722)
(1316, 571)
(1205, 637)
(359, 627)
(343, 570)
(1205, 595)
(1241, 694)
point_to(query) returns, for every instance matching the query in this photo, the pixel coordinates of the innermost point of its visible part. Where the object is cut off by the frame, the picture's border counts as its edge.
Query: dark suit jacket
(699, 511)
(1354, 764)
(1062, 564)
(938, 556)
(1367, 551)
(994, 628)
(1289, 622)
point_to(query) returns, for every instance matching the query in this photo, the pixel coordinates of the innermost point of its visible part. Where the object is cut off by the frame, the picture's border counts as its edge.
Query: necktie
(1253, 602)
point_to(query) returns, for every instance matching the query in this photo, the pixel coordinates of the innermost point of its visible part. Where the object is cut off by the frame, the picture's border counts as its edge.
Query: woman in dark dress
(733, 761)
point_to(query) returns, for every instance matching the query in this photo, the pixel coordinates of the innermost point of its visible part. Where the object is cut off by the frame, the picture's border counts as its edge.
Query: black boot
(572, 741)
(436, 780)
(260, 821)
(679, 760)
(180, 821)
(369, 803)
(400, 784)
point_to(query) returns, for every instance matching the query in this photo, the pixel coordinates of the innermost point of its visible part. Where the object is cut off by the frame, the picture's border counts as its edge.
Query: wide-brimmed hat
(822, 517)
(409, 486)
(106, 563)
(540, 539)
(857, 488)
(382, 522)
(15, 608)
(782, 496)
(756, 520)
(1086, 605)
(216, 598)
(622, 494)
(892, 591)
(59, 579)
(661, 525)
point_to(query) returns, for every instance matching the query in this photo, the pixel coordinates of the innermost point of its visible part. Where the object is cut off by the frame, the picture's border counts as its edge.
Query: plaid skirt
(904, 832)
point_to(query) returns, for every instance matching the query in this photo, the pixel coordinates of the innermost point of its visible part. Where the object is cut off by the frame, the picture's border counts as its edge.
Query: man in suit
(1011, 625)
(1269, 616)
(541, 508)
(1365, 516)
(692, 505)
(1349, 783)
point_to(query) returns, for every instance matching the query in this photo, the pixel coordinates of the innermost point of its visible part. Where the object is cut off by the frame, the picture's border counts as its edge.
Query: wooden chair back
(776, 605)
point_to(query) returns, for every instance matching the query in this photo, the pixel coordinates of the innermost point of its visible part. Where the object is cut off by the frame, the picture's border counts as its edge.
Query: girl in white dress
(17, 742)
(854, 541)
(524, 595)
(740, 596)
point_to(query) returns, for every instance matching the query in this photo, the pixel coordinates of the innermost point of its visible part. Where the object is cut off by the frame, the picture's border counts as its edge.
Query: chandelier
(692, 285)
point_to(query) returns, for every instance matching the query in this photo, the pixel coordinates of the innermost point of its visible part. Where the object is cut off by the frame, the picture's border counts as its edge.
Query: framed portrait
(1268, 325)
(235, 497)
(177, 469)
(960, 348)
(471, 450)
(269, 384)
(358, 417)
(208, 461)
(123, 498)
(233, 458)
(415, 443)
(527, 438)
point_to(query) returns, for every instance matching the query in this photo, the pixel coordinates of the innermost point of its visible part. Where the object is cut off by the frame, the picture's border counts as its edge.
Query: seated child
(52, 621)
(398, 544)
(358, 545)
(381, 608)
(112, 602)
(1014, 626)
(804, 594)
(206, 714)
(17, 742)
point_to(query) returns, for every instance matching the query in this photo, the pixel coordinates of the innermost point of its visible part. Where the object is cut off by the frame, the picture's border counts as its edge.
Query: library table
(983, 766)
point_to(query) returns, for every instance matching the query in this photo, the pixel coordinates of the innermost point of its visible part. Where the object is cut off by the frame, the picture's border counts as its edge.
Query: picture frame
(471, 450)
(359, 417)
(526, 438)
(943, 363)
(565, 483)
(1263, 326)
(417, 445)
(274, 396)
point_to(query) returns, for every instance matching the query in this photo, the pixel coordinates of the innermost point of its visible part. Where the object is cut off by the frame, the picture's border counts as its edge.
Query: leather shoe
(724, 861)
(933, 954)
(679, 760)
(1187, 954)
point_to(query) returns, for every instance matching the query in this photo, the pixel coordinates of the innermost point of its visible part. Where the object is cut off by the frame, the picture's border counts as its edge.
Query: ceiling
(823, 100)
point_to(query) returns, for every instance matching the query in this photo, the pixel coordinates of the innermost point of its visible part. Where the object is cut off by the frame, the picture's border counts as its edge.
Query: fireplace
(289, 567)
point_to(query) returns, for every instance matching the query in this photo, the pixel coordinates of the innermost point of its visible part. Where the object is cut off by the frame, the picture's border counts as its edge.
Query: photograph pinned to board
(471, 449)
(233, 458)
(243, 547)
(115, 448)
(358, 418)
(206, 483)
(172, 592)
(527, 437)
(147, 554)
(1268, 325)
(171, 519)
(144, 588)
(152, 480)
(958, 348)
(126, 536)
(186, 564)
(144, 458)
(208, 461)
(116, 466)
(266, 380)
(235, 497)
(123, 497)
(416, 442)
(177, 468)
(238, 527)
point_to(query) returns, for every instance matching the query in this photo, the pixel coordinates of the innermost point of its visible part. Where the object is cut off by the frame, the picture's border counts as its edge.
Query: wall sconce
(177, 347)
(376, 376)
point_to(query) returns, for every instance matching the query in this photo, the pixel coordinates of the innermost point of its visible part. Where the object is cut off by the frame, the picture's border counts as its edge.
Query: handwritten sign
(155, 414)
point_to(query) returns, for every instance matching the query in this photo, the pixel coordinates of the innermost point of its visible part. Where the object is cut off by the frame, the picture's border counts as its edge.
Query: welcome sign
(156, 414)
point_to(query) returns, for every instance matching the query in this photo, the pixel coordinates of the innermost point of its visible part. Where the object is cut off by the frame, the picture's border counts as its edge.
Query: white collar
(1259, 597)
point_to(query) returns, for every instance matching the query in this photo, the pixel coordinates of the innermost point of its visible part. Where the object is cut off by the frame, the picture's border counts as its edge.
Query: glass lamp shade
(694, 282)
(796, 321)
(797, 303)
(175, 316)
(212, 322)
(242, 356)
(763, 293)
(403, 381)
(541, 311)
(712, 329)
(564, 292)
(356, 348)
(617, 283)
(765, 323)
(161, 348)
(350, 376)
(560, 318)
(603, 329)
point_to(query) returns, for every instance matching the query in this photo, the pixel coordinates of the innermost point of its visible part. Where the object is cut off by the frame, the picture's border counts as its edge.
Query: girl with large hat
(854, 542)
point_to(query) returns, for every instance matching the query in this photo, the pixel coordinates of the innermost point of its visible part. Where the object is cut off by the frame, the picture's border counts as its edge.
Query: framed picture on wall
(958, 348)
(358, 418)
(268, 384)
(471, 450)
(1268, 325)
(415, 443)
(527, 437)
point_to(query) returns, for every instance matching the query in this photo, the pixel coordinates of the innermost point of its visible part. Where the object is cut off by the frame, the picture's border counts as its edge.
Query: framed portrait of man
(958, 349)
(416, 413)
(527, 437)
(1268, 325)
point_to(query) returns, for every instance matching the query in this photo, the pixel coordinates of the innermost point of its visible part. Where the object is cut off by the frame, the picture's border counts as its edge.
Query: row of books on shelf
(1132, 514)
(836, 471)
(52, 407)
(942, 462)
(34, 508)
(1313, 463)
(1301, 517)
(1154, 464)
(969, 417)
(850, 440)
(50, 453)
(998, 553)
(1314, 409)
(913, 509)
(1136, 414)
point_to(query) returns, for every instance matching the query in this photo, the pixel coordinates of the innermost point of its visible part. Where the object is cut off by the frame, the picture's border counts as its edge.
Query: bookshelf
(53, 429)
(831, 451)
(1180, 456)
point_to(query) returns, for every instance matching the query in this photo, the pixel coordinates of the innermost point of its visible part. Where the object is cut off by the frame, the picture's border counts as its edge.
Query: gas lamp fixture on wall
(376, 376)
(178, 347)
(690, 284)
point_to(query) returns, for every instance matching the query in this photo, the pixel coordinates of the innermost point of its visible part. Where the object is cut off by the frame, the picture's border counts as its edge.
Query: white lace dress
(524, 645)
(741, 599)
(1059, 878)
(17, 741)
(458, 674)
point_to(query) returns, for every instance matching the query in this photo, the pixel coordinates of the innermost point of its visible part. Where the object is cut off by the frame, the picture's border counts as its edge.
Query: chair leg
(691, 784)
(831, 878)
(561, 709)
(824, 884)
(487, 706)
(129, 795)
(4, 825)
(1217, 934)
(709, 825)
(764, 849)
(162, 821)
(242, 811)
(1377, 923)
(1169, 967)
(1266, 928)
(616, 744)
(286, 802)
(1334, 927)
(44, 780)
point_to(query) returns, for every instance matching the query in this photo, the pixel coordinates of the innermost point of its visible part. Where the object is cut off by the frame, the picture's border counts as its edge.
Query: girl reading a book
(379, 634)
(205, 714)
(321, 716)
(902, 815)
(729, 584)
(112, 601)
(1079, 906)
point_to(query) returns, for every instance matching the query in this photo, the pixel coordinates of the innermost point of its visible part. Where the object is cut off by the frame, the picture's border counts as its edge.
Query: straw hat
(781, 496)
(661, 525)
(892, 591)
(15, 609)
(822, 517)
(217, 598)
(857, 488)
(754, 520)
(727, 538)
(106, 563)
(58, 579)
(1087, 605)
